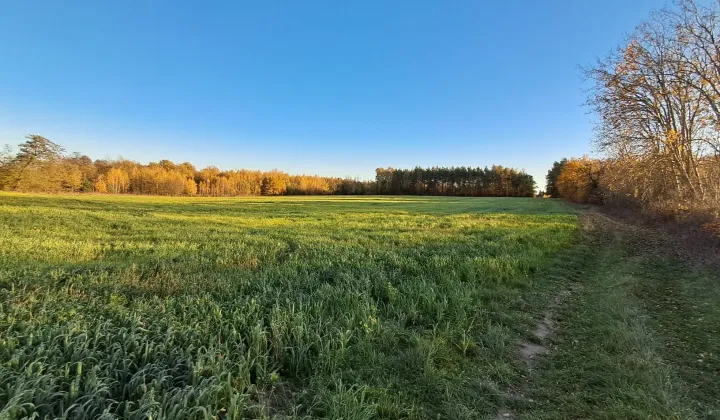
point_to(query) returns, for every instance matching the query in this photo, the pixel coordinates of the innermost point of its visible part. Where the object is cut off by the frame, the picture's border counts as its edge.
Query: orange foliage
(579, 180)
(42, 166)
(100, 186)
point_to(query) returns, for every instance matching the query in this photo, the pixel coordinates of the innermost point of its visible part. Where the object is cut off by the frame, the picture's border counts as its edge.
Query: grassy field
(352, 308)
(342, 308)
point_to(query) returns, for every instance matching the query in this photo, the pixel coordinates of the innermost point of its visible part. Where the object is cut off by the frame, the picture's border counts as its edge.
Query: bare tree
(657, 98)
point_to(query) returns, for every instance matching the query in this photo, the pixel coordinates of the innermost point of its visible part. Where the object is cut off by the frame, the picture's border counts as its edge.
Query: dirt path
(540, 345)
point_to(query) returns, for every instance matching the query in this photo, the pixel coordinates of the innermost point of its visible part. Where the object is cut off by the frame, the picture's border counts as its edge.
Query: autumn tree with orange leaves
(42, 166)
(580, 180)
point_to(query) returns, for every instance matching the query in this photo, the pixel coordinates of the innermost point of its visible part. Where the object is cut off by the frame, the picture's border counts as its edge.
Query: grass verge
(637, 340)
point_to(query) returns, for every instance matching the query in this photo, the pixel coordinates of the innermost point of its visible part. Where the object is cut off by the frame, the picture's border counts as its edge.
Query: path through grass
(637, 339)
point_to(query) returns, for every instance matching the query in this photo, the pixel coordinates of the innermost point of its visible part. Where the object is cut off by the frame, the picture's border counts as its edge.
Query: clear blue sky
(333, 87)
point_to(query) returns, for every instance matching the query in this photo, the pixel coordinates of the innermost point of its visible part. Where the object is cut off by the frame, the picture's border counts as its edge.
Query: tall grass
(353, 308)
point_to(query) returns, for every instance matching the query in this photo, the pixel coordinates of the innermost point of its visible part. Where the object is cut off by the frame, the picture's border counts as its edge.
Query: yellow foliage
(117, 181)
(100, 186)
(190, 187)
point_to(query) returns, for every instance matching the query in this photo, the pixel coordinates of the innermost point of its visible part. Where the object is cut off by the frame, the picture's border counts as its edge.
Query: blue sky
(328, 87)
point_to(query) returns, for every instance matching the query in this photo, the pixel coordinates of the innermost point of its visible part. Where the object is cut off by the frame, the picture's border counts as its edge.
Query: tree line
(496, 181)
(43, 166)
(658, 102)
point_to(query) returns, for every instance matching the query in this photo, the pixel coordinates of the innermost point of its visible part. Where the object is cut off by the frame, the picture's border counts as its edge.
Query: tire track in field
(540, 345)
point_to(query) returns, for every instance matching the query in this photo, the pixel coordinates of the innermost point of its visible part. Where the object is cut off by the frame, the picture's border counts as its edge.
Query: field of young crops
(290, 307)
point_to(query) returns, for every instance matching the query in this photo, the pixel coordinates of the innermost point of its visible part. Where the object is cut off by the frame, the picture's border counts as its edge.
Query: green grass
(336, 307)
(639, 337)
(683, 305)
(605, 363)
(346, 308)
